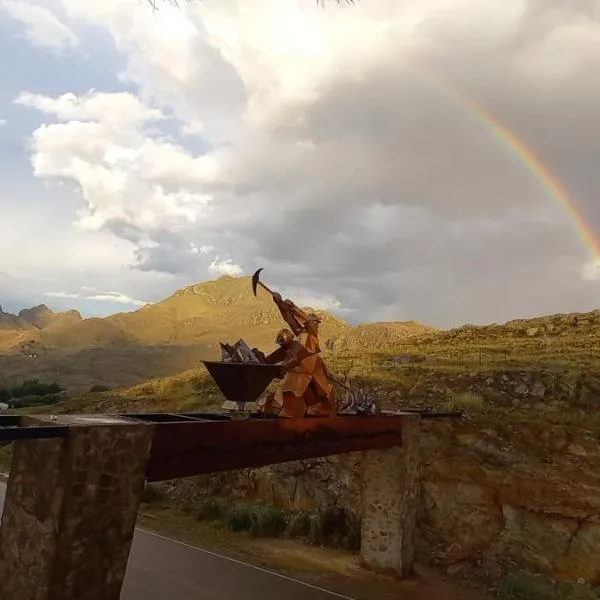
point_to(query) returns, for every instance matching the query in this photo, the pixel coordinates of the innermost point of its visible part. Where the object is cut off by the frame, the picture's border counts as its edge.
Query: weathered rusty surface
(242, 382)
(186, 449)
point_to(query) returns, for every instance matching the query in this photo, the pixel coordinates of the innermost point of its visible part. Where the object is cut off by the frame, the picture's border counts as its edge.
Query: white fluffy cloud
(225, 267)
(131, 181)
(41, 27)
(112, 297)
(325, 145)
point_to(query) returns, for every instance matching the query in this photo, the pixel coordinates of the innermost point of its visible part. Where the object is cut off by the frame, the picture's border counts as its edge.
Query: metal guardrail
(13, 429)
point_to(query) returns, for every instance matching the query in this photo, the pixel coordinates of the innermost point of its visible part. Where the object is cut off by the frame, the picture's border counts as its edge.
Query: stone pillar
(70, 510)
(389, 504)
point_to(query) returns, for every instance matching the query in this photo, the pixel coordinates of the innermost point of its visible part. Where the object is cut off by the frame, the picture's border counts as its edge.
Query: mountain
(201, 314)
(42, 317)
(38, 317)
(155, 341)
(9, 322)
(174, 335)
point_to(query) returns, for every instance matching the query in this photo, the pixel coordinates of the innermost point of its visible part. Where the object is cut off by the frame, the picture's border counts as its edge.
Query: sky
(145, 150)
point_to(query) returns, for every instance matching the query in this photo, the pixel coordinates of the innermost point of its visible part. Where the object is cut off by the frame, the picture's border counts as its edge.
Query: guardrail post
(70, 510)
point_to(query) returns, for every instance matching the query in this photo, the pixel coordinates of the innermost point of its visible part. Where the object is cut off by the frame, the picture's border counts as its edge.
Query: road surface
(160, 568)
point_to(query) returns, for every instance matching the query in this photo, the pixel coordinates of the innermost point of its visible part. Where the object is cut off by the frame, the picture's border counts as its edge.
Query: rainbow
(533, 163)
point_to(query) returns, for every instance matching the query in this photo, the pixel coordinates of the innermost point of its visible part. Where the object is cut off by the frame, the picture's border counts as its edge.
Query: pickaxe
(256, 282)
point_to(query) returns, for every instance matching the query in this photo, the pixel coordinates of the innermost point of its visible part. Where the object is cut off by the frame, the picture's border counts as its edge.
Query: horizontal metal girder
(185, 449)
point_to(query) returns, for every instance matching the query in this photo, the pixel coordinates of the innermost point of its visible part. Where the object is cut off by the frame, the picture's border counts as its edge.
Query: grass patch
(6, 457)
(153, 494)
(469, 401)
(526, 586)
(327, 526)
(256, 519)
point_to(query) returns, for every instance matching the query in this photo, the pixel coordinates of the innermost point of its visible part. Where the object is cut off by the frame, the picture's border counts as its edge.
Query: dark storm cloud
(381, 187)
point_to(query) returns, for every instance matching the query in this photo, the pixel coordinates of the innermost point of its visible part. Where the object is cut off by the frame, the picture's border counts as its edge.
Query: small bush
(152, 494)
(99, 389)
(334, 526)
(525, 586)
(259, 521)
(212, 509)
(239, 518)
(299, 525)
(34, 388)
(6, 457)
(267, 521)
(574, 591)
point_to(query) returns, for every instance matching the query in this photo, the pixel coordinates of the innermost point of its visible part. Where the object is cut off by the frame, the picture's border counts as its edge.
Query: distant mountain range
(174, 335)
(189, 324)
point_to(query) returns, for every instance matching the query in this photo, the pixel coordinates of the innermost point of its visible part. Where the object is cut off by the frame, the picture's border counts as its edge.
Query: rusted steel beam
(185, 449)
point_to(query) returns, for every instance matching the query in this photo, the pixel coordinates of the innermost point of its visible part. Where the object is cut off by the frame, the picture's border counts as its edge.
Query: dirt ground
(335, 570)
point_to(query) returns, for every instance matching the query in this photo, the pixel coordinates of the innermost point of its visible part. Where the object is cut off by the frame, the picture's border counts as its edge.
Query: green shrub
(258, 520)
(6, 457)
(525, 586)
(99, 389)
(299, 525)
(33, 387)
(267, 521)
(152, 494)
(574, 591)
(212, 509)
(334, 526)
(239, 518)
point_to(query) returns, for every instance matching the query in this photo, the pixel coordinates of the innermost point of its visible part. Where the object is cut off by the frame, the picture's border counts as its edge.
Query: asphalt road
(160, 568)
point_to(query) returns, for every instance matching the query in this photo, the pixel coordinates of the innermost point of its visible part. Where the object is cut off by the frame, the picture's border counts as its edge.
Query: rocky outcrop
(539, 391)
(492, 495)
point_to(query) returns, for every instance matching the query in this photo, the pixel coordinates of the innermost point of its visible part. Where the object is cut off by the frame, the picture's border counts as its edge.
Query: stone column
(70, 510)
(389, 504)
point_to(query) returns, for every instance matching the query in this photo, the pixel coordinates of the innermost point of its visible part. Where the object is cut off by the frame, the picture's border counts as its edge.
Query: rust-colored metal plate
(186, 449)
(242, 382)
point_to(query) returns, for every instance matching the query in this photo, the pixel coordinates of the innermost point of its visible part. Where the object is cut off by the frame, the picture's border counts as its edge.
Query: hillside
(380, 337)
(172, 336)
(155, 341)
(200, 314)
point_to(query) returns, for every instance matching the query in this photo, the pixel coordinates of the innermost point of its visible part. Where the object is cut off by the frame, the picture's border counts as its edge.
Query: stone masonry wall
(70, 512)
(492, 495)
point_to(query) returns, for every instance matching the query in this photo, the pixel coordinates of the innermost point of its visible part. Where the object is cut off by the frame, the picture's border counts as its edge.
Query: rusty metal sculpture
(306, 389)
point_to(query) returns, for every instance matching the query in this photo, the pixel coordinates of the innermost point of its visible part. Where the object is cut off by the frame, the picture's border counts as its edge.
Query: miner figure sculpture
(305, 389)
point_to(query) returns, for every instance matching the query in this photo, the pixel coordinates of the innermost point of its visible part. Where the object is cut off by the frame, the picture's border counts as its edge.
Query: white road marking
(245, 564)
(242, 563)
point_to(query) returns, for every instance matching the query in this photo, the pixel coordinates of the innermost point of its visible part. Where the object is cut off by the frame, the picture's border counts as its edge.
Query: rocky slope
(379, 337)
(581, 325)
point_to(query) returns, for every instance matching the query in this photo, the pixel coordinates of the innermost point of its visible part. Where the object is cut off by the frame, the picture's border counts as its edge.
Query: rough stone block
(70, 510)
(389, 481)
